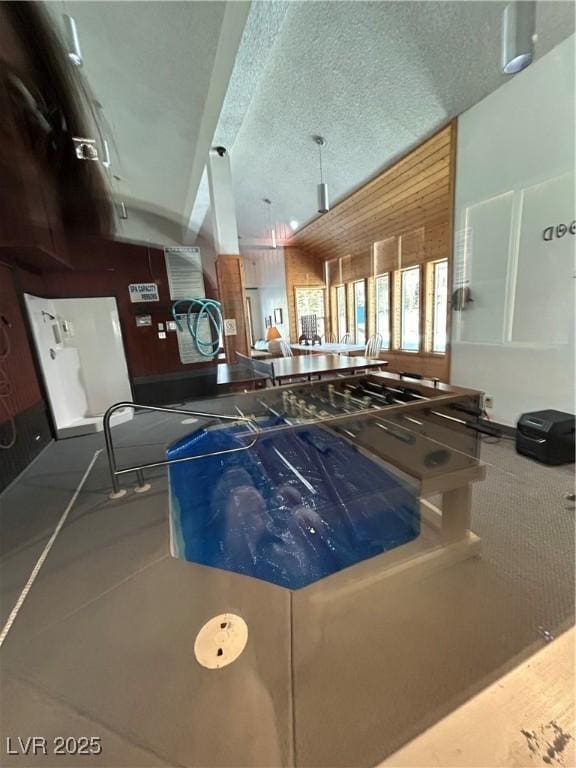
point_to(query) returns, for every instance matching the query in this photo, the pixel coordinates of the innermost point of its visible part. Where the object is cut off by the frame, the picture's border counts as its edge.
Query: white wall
(148, 228)
(264, 271)
(258, 328)
(514, 177)
(272, 298)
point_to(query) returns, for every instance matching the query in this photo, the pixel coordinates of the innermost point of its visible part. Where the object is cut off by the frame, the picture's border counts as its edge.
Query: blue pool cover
(298, 506)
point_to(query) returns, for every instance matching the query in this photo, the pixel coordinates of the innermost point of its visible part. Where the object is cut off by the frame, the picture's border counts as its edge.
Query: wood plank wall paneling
(231, 288)
(23, 416)
(411, 193)
(400, 218)
(303, 269)
(106, 268)
(18, 365)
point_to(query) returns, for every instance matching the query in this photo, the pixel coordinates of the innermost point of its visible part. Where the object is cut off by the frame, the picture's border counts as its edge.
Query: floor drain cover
(221, 640)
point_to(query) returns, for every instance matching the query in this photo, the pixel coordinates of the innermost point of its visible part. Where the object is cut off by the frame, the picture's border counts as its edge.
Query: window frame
(399, 309)
(296, 314)
(388, 275)
(432, 267)
(337, 288)
(355, 323)
(427, 288)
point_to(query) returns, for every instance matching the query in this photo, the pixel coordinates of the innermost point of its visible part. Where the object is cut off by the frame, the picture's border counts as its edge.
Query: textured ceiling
(160, 71)
(374, 78)
(260, 34)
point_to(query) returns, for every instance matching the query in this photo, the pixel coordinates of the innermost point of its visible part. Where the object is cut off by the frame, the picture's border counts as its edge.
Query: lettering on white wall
(558, 230)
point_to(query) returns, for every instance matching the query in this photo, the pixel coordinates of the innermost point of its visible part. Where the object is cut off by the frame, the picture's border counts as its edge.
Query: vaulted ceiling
(160, 71)
(374, 78)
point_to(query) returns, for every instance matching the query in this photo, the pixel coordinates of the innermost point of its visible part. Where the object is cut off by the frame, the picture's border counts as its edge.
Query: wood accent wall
(414, 192)
(303, 270)
(106, 268)
(18, 365)
(231, 289)
(401, 218)
(23, 419)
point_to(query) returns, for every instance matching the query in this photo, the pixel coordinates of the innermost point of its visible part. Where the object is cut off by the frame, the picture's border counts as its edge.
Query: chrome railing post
(110, 451)
(117, 491)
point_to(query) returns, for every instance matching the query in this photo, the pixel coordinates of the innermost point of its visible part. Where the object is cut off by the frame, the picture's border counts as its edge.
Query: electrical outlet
(487, 401)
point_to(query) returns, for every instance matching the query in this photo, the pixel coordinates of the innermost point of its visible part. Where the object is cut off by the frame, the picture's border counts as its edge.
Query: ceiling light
(293, 224)
(106, 160)
(518, 21)
(272, 230)
(323, 200)
(74, 51)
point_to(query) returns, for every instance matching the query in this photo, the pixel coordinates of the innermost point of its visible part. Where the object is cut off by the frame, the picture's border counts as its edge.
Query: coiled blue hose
(202, 307)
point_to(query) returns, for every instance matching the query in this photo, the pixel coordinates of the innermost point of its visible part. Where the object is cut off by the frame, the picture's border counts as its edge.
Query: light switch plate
(230, 327)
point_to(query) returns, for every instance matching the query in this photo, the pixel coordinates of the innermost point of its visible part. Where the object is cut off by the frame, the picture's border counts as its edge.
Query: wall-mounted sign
(143, 292)
(143, 320)
(558, 231)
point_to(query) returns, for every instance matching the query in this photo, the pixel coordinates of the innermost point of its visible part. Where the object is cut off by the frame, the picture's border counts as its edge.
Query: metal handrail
(115, 472)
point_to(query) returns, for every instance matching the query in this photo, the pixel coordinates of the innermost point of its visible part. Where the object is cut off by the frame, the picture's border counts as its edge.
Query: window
(408, 306)
(341, 320)
(440, 306)
(410, 309)
(360, 311)
(383, 309)
(310, 304)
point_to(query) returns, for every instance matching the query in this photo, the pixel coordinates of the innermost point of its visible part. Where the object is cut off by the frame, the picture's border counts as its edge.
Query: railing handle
(139, 469)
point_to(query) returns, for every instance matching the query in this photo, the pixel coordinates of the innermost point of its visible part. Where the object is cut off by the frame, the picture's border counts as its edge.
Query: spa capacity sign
(143, 292)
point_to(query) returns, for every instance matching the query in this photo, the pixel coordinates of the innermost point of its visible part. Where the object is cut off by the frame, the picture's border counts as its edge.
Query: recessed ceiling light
(293, 224)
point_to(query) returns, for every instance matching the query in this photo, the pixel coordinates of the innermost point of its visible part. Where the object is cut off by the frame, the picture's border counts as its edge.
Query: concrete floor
(103, 643)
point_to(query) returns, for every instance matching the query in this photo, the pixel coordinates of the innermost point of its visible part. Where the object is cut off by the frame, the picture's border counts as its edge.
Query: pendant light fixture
(272, 230)
(518, 29)
(323, 200)
(74, 51)
(106, 160)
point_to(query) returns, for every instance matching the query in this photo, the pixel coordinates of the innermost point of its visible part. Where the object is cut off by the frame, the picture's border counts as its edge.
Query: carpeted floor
(103, 642)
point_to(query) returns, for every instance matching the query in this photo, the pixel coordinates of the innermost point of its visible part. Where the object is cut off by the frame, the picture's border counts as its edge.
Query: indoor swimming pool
(299, 505)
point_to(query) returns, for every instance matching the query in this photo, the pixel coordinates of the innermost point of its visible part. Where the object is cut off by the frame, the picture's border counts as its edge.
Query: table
(306, 366)
(330, 349)
(234, 378)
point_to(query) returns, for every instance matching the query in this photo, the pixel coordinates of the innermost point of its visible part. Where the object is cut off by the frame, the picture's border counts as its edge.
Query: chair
(346, 339)
(285, 348)
(329, 338)
(373, 346)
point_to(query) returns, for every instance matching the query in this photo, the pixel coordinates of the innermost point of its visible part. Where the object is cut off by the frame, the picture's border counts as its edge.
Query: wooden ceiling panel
(415, 193)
